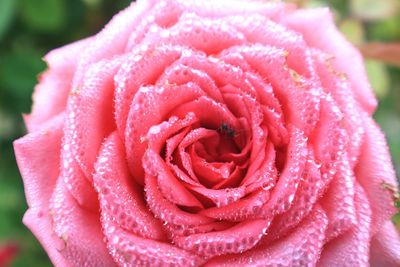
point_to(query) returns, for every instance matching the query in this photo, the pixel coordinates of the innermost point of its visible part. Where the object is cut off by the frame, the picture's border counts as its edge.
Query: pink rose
(209, 132)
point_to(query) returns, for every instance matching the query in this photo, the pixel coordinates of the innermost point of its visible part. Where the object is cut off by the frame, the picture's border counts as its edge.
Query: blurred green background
(30, 28)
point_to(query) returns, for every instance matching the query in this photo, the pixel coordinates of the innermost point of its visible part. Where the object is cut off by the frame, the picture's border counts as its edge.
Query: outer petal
(90, 113)
(38, 158)
(351, 249)
(79, 229)
(385, 247)
(50, 96)
(319, 31)
(41, 224)
(376, 175)
(112, 39)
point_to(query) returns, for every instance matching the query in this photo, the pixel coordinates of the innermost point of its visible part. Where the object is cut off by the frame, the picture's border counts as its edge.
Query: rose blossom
(192, 133)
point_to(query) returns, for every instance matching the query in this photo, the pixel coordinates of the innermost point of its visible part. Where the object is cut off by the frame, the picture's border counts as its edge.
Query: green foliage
(378, 76)
(373, 9)
(43, 15)
(7, 9)
(19, 69)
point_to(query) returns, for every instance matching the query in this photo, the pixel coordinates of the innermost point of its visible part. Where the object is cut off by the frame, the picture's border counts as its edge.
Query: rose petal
(217, 113)
(298, 96)
(314, 23)
(166, 13)
(50, 95)
(40, 224)
(112, 39)
(352, 248)
(90, 113)
(38, 158)
(285, 189)
(301, 248)
(311, 187)
(79, 229)
(329, 138)
(376, 175)
(142, 67)
(259, 29)
(385, 246)
(157, 102)
(239, 210)
(237, 239)
(344, 97)
(158, 204)
(180, 74)
(220, 197)
(223, 8)
(130, 250)
(197, 33)
(76, 182)
(184, 230)
(338, 202)
(121, 200)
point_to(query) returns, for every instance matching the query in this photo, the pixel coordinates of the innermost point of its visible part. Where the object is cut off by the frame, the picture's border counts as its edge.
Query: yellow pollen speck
(143, 139)
(392, 189)
(75, 91)
(44, 132)
(64, 237)
(169, 83)
(328, 61)
(285, 53)
(297, 78)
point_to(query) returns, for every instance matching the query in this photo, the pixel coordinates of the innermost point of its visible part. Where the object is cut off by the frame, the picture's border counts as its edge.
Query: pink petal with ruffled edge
(339, 202)
(112, 39)
(236, 239)
(197, 33)
(38, 159)
(376, 175)
(51, 94)
(91, 113)
(142, 67)
(79, 229)
(301, 248)
(40, 225)
(131, 250)
(157, 103)
(385, 246)
(121, 199)
(314, 23)
(352, 248)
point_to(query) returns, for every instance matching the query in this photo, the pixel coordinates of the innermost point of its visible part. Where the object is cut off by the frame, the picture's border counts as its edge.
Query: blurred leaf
(353, 30)
(386, 30)
(378, 77)
(7, 125)
(18, 72)
(44, 15)
(396, 220)
(7, 10)
(92, 3)
(374, 9)
(386, 52)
